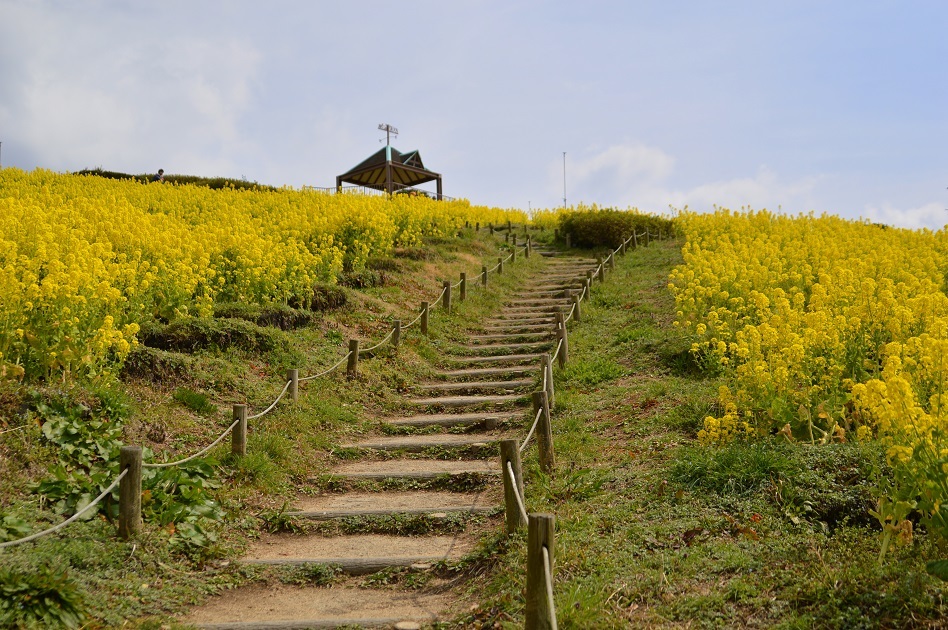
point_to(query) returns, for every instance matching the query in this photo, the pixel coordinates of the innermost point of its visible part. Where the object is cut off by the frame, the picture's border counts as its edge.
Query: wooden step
(489, 419)
(467, 401)
(513, 370)
(476, 385)
(543, 334)
(513, 329)
(418, 502)
(503, 358)
(357, 554)
(418, 443)
(417, 469)
(505, 348)
(285, 607)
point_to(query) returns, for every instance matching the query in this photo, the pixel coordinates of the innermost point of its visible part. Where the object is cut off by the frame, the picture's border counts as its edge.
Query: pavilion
(390, 170)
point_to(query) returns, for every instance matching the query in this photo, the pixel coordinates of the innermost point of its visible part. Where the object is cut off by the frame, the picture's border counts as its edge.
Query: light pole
(564, 180)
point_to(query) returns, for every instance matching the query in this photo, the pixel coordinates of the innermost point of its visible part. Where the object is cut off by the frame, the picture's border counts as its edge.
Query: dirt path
(442, 490)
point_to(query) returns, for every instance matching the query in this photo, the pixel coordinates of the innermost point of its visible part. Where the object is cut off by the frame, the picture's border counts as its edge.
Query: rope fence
(540, 604)
(536, 421)
(71, 519)
(203, 451)
(130, 508)
(327, 371)
(540, 596)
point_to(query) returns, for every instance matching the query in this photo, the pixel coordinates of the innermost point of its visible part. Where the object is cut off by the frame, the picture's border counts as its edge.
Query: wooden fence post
(510, 452)
(635, 240)
(491, 227)
(462, 294)
(352, 367)
(238, 436)
(563, 336)
(500, 265)
(424, 318)
(514, 241)
(396, 333)
(507, 237)
(612, 261)
(446, 300)
(477, 226)
(544, 432)
(526, 250)
(569, 240)
(601, 273)
(293, 376)
(540, 536)
(483, 275)
(577, 309)
(130, 492)
(589, 278)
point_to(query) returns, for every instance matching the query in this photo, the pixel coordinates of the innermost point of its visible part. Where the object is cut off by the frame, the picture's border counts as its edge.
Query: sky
(794, 105)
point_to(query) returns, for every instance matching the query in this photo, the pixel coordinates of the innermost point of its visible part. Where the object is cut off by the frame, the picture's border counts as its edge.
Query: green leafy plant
(45, 598)
(12, 527)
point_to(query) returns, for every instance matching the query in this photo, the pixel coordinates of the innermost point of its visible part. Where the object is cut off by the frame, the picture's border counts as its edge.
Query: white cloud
(115, 94)
(643, 176)
(930, 215)
(623, 165)
(764, 190)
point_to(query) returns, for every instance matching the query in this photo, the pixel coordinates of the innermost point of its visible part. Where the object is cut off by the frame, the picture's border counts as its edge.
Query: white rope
(413, 322)
(199, 453)
(325, 372)
(513, 482)
(226, 431)
(457, 284)
(437, 300)
(273, 404)
(548, 571)
(557, 353)
(381, 343)
(571, 312)
(536, 421)
(20, 428)
(494, 268)
(75, 516)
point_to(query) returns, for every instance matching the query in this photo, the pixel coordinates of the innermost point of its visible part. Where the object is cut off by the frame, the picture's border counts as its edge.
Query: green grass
(179, 396)
(654, 530)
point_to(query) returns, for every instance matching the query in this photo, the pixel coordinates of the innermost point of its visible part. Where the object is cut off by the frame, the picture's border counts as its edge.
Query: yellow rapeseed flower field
(827, 330)
(85, 260)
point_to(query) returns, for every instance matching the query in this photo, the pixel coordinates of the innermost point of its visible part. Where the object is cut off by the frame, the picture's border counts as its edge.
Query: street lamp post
(564, 180)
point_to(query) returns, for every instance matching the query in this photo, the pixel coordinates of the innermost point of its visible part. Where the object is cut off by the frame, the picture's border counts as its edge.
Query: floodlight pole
(564, 180)
(388, 129)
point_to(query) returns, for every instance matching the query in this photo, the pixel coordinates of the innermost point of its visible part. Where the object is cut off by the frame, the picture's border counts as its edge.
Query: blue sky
(835, 107)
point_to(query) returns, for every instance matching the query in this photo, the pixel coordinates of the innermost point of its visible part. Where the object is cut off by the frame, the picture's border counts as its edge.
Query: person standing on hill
(160, 176)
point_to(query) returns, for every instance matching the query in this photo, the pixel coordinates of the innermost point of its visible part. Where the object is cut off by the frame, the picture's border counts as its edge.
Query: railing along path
(540, 610)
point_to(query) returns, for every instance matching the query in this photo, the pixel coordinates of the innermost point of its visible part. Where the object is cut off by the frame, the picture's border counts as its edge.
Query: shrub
(608, 227)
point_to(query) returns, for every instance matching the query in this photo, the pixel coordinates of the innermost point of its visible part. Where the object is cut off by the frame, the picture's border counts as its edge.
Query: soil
(288, 603)
(398, 500)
